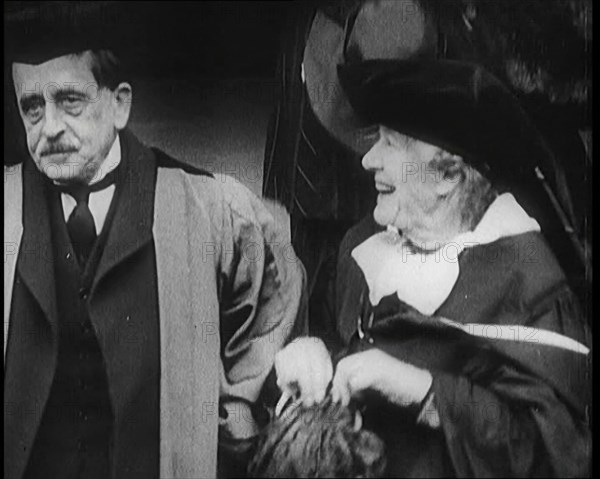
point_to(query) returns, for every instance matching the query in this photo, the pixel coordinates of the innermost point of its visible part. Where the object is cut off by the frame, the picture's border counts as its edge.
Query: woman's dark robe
(506, 408)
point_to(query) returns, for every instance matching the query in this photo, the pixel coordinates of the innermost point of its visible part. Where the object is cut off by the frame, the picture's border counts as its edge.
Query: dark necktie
(80, 225)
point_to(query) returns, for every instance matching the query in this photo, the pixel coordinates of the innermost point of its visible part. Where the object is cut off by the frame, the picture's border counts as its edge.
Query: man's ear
(123, 96)
(451, 173)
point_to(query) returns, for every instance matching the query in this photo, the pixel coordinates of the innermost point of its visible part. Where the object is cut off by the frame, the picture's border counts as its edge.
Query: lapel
(35, 263)
(131, 227)
(29, 379)
(352, 300)
(190, 368)
(13, 235)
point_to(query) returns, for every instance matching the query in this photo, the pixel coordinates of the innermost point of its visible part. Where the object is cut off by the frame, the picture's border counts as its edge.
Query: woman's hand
(399, 382)
(304, 366)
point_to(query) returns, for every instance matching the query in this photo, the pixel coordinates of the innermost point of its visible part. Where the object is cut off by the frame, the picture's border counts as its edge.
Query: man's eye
(71, 104)
(34, 111)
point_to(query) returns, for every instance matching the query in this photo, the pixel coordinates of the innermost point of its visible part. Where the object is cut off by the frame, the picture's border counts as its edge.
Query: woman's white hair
(473, 194)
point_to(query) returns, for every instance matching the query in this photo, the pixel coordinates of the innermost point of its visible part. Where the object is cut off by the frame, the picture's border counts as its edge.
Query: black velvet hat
(457, 106)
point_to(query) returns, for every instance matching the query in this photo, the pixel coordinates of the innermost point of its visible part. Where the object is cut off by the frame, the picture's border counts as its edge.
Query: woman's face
(410, 191)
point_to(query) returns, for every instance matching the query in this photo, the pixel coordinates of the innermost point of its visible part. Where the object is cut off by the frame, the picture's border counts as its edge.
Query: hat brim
(380, 30)
(458, 106)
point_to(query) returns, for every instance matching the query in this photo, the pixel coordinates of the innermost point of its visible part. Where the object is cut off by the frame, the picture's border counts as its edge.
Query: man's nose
(53, 121)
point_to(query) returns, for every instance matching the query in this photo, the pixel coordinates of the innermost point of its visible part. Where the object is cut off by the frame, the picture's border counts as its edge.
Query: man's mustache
(57, 149)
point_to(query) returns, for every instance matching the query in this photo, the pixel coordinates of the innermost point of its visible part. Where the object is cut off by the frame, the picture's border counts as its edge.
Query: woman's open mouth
(384, 188)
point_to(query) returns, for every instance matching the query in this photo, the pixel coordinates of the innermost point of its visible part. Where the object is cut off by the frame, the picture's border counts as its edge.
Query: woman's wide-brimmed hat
(548, 75)
(383, 29)
(455, 105)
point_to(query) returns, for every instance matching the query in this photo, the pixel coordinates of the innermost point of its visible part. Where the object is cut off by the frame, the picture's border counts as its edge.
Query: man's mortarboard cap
(38, 32)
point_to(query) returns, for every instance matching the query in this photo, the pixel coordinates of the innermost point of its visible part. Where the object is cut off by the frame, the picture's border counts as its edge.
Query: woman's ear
(123, 96)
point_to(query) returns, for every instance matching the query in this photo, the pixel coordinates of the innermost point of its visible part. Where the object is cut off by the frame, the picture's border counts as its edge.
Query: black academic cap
(37, 32)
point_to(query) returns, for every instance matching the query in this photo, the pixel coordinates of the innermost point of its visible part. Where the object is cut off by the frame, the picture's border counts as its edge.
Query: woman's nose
(372, 160)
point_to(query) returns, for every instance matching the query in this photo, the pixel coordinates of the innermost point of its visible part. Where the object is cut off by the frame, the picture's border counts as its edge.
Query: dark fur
(318, 441)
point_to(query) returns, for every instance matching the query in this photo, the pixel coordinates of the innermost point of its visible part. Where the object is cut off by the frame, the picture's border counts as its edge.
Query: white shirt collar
(99, 201)
(425, 280)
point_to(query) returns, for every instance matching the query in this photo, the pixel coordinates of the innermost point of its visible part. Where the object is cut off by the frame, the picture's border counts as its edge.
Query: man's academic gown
(229, 292)
(506, 407)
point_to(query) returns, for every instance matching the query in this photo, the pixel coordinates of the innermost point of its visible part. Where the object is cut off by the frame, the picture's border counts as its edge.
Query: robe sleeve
(506, 420)
(262, 303)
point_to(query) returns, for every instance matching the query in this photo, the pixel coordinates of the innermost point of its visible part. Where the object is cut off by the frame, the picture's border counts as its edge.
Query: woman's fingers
(283, 400)
(352, 377)
(321, 373)
(340, 390)
(306, 365)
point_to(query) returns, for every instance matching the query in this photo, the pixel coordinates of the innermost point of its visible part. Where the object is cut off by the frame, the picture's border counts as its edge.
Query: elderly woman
(463, 341)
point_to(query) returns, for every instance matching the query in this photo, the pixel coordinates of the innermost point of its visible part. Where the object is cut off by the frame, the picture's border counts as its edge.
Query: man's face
(409, 190)
(70, 123)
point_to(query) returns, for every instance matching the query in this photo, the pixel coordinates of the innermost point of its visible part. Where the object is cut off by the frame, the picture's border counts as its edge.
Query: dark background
(203, 73)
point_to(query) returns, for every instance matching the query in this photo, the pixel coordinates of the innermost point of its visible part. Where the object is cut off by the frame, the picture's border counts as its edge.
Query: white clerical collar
(424, 280)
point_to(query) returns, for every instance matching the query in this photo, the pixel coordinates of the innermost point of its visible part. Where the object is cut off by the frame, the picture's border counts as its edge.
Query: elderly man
(463, 341)
(144, 299)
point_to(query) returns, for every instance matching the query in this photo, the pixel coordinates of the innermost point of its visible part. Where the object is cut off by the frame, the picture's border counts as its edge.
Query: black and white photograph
(297, 239)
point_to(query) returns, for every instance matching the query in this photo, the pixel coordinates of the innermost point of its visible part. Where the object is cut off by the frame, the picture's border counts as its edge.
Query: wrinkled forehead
(73, 71)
